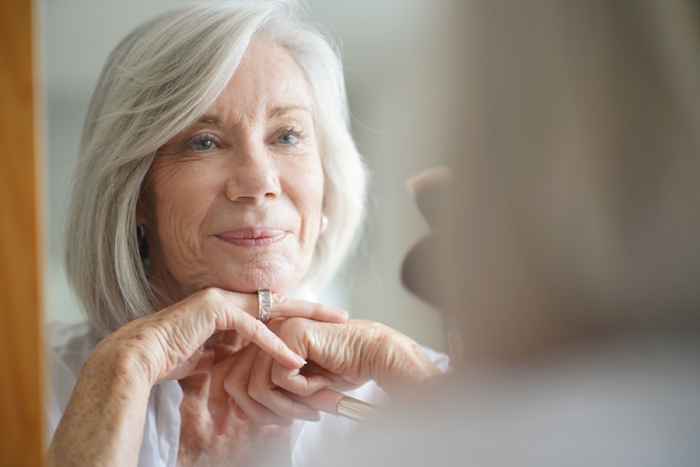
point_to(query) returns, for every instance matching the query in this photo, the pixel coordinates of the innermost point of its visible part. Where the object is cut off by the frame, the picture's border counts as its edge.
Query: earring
(324, 223)
(142, 242)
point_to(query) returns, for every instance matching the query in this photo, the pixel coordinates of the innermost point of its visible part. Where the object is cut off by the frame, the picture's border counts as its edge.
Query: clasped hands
(240, 376)
(239, 380)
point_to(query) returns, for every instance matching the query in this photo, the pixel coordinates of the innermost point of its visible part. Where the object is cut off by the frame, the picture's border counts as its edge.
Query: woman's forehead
(268, 82)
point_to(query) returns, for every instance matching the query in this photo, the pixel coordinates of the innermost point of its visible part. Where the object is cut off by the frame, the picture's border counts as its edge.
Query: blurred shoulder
(66, 348)
(68, 345)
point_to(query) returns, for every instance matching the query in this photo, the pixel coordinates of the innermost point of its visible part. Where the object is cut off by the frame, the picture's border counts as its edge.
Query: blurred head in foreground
(574, 206)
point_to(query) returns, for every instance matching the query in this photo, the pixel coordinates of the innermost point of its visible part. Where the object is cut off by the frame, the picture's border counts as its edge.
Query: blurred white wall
(385, 46)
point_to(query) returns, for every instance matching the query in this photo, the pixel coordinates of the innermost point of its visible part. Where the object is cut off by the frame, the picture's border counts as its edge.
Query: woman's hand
(170, 344)
(356, 351)
(247, 376)
(116, 381)
(340, 356)
(217, 427)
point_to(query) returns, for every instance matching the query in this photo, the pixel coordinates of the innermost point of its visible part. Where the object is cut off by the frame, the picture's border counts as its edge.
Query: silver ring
(264, 305)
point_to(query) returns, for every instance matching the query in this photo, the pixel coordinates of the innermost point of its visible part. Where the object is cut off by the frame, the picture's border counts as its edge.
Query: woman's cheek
(310, 190)
(180, 210)
(175, 245)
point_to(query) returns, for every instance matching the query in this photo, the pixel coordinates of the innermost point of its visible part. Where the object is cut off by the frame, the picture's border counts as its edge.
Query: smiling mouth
(253, 237)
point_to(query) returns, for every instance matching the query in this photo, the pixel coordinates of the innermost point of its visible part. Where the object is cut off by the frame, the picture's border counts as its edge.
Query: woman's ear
(421, 271)
(431, 190)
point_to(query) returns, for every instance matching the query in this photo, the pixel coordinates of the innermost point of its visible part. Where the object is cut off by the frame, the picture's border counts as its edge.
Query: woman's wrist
(123, 365)
(103, 421)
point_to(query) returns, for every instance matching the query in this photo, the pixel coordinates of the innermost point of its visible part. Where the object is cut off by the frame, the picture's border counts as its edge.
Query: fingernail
(300, 361)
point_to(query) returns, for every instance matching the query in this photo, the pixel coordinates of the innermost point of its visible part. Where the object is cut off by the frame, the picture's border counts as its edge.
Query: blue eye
(289, 137)
(203, 143)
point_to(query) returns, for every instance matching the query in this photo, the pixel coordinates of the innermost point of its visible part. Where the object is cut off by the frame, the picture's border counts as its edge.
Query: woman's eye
(289, 137)
(203, 143)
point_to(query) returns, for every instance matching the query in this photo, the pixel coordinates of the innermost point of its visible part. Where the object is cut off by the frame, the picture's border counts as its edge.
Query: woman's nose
(254, 180)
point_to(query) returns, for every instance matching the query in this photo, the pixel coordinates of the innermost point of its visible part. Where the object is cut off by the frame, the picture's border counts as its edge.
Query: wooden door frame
(21, 240)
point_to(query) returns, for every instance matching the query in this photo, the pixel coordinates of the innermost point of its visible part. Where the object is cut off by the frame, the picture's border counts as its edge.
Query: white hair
(159, 80)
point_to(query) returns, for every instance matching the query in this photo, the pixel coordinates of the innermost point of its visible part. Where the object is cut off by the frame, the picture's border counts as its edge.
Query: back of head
(575, 192)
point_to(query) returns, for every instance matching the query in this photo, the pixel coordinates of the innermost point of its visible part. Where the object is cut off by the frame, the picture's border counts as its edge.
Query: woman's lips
(253, 236)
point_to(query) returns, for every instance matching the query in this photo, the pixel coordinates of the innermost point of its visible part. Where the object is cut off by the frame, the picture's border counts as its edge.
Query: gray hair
(160, 79)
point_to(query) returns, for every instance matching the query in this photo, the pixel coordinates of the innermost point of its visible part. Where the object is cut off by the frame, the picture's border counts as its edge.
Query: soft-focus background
(386, 47)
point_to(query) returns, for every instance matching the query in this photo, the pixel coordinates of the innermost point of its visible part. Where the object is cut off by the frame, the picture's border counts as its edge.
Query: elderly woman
(216, 161)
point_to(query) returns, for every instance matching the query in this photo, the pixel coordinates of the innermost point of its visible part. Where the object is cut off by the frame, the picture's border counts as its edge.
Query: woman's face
(235, 201)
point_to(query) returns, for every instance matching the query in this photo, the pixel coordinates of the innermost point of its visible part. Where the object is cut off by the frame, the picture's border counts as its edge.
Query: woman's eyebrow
(217, 121)
(284, 109)
(209, 119)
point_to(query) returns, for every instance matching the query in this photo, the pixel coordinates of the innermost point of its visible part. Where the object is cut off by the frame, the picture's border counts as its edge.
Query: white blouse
(69, 347)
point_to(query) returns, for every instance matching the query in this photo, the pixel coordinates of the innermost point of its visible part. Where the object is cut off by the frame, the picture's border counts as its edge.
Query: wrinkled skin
(116, 381)
(251, 398)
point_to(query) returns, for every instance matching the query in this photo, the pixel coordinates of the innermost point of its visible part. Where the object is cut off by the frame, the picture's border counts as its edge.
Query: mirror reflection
(228, 204)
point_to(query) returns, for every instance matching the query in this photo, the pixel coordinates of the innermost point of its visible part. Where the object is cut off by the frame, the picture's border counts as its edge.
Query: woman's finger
(259, 415)
(232, 318)
(296, 382)
(261, 389)
(200, 362)
(310, 310)
(231, 340)
(236, 386)
(325, 400)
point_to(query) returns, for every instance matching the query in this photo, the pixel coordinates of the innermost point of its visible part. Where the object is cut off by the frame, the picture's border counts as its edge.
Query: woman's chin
(251, 280)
